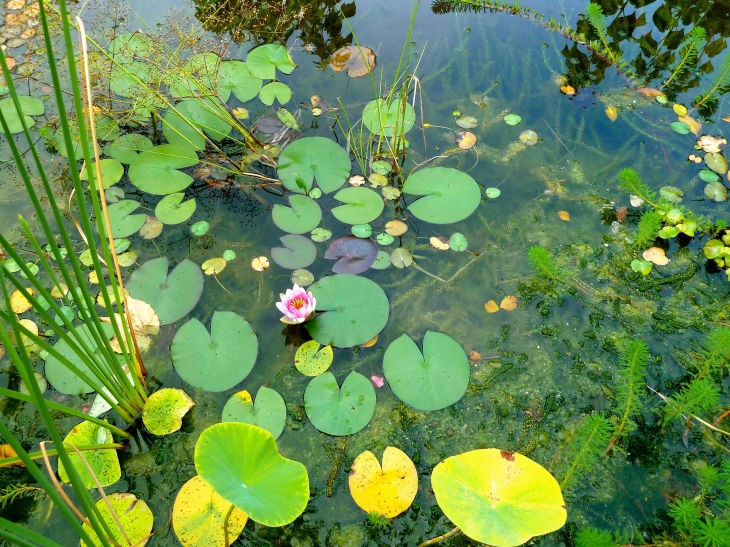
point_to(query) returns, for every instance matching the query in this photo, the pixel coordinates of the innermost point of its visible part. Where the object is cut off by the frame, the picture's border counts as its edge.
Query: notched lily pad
(339, 410)
(298, 252)
(267, 412)
(164, 410)
(354, 255)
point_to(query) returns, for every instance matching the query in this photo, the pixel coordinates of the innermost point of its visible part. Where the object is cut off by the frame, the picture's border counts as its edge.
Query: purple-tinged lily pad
(269, 125)
(354, 255)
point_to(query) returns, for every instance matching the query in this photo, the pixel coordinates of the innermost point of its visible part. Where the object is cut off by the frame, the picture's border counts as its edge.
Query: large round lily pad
(429, 381)
(234, 76)
(243, 465)
(156, 171)
(219, 360)
(123, 222)
(61, 377)
(104, 463)
(297, 252)
(499, 498)
(303, 216)
(267, 412)
(449, 195)
(339, 410)
(314, 158)
(199, 514)
(386, 119)
(361, 205)
(263, 61)
(354, 308)
(354, 255)
(171, 296)
(134, 515)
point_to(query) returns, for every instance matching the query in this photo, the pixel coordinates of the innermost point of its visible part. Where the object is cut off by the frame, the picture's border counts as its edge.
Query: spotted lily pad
(339, 410)
(313, 158)
(104, 463)
(310, 360)
(354, 309)
(303, 215)
(354, 255)
(361, 205)
(164, 410)
(242, 464)
(172, 297)
(297, 252)
(267, 412)
(386, 490)
(218, 360)
(448, 195)
(134, 515)
(156, 171)
(430, 381)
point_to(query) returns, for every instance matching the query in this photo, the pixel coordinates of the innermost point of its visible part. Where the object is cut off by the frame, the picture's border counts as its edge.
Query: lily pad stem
(439, 539)
(225, 525)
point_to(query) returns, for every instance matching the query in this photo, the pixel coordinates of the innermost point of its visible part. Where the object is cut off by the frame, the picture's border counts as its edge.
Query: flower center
(297, 303)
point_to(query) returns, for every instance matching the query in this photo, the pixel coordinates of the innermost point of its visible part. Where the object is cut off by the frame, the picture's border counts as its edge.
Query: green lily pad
(172, 209)
(104, 463)
(385, 239)
(467, 122)
(493, 192)
(107, 129)
(321, 234)
(314, 158)
(59, 376)
(310, 360)
(302, 277)
(430, 381)
(297, 252)
(113, 194)
(641, 266)
(401, 258)
(361, 205)
(382, 261)
(717, 162)
(512, 119)
(242, 464)
(134, 515)
(716, 191)
(200, 228)
(164, 410)
(30, 106)
(382, 167)
(339, 410)
(156, 171)
(497, 497)
(303, 216)
(219, 360)
(267, 412)
(126, 148)
(671, 194)
(449, 195)
(111, 172)
(388, 120)
(275, 91)
(123, 222)
(179, 132)
(207, 115)
(354, 308)
(709, 176)
(668, 232)
(680, 127)
(229, 255)
(362, 230)
(263, 61)
(390, 192)
(714, 248)
(458, 242)
(126, 80)
(234, 76)
(125, 47)
(171, 296)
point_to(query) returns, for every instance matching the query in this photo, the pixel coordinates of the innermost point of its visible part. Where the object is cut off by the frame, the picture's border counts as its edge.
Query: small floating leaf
(467, 122)
(267, 412)
(448, 195)
(104, 463)
(512, 119)
(396, 228)
(386, 119)
(229, 255)
(439, 243)
(303, 215)
(360, 205)
(564, 215)
(491, 307)
(465, 140)
(680, 127)
(134, 516)
(261, 263)
(642, 266)
(493, 192)
(200, 228)
(671, 193)
(312, 361)
(401, 258)
(612, 113)
(509, 303)
(18, 303)
(339, 410)
(458, 242)
(382, 262)
(717, 162)
(362, 230)
(164, 410)
(709, 176)
(656, 255)
(297, 252)
(385, 239)
(172, 209)
(301, 277)
(313, 158)
(716, 191)
(388, 490)
(275, 91)
(214, 265)
(321, 234)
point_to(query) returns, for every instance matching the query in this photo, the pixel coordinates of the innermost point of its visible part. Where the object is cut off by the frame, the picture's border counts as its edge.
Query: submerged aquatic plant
(297, 305)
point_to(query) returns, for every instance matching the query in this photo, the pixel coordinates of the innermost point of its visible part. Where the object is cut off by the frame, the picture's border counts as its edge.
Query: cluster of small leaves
(12, 493)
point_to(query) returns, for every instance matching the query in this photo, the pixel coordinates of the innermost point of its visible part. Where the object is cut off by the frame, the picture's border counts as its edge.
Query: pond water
(536, 371)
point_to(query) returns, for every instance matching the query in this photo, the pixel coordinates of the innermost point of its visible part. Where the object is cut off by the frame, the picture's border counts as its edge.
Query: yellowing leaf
(509, 303)
(491, 307)
(260, 263)
(388, 490)
(711, 144)
(214, 265)
(564, 215)
(440, 243)
(32, 327)
(164, 410)
(567, 89)
(396, 228)
(679, 109)
(612, 113)
(650, 92)
(59, 291)
(370, 343)
(199, 513)
(465, 140)
(656, 255)
(18, 302)
(357, 180)
(312, 361)
(144, 321)
(694, 125)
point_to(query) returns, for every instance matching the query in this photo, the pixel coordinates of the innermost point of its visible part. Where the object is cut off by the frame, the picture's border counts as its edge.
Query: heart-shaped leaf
(716, 191)
(199, 514)
(386, 119)
(263, 61)
(361, 205)
(388, 490)
(314, 158)
(242, 464)
(339, 410)
(130, 45)
(164, 410)
(312, 361)
(717, 162)
(303, 216)
(430, 381)
(297, 252)
(207, 115)
(133, 514)
(275, 91)
(234, 76)
(123, 222)
(354, 255)
(219, 360)
(30, 106)
(111, 172)
(156, 171)
(126, 148)
(172, 209)
(499, 498)
(449, 195)
(173, 296)
(267, 412)
(354, 308)
(104, 463)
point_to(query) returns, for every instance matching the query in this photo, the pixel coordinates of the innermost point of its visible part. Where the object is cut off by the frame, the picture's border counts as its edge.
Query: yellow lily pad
(396, 228)
(499, 498)
(312, 361)
(18, 303)
(214, 265)
(491, 307)
(104, 463)
(199, 513)
(134, 515)
(164, 410)
(388, 490)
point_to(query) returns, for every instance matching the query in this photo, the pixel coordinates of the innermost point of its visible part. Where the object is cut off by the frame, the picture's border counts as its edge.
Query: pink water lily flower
(297, 305)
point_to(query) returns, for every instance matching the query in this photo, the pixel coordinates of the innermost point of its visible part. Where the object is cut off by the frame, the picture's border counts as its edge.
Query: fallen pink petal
(378, 381)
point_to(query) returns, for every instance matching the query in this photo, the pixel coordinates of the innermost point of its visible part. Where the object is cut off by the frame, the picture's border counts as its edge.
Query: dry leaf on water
(694, 125)
(370, 343)
(358, 60)
(357, 180)
(260, 263)
(650, 92)
(509, 303)
(567, 89)
(612, 113)
(491, 307)
(144, 321)
(18, 303)
(465, 140)
(564, 215)
(711, 144)
(440, 243)
(656, 255)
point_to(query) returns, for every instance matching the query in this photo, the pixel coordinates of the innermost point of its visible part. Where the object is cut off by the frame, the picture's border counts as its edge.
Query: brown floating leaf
(465, 140)
(151, 228)
(15, 4)
(475, 356)
(440, 243)
(14, 19)
(709, 143)
(656, 255)
(564, 215)
(144, 321)
(650, 92)
(491, 307)
(726, 119)
(694, 125)
(509, 303)
(357, 180)
(396, 228)
(358, 60)
(612, 113)
(260, 263)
